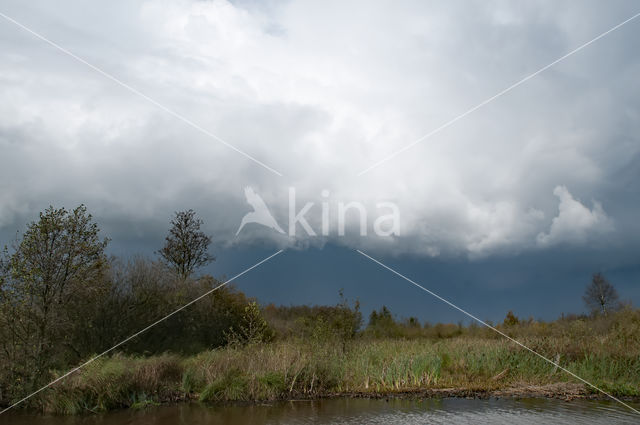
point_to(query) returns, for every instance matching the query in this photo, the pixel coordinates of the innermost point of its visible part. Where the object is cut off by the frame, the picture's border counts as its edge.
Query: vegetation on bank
(62, 300)
(604, 351)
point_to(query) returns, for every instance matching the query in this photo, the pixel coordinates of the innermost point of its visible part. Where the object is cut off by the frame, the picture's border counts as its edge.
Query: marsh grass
(285, 370)
(116, 382)
(608, 356)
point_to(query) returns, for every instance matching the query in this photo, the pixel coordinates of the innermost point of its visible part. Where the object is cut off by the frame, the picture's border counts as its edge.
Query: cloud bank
(321, 92)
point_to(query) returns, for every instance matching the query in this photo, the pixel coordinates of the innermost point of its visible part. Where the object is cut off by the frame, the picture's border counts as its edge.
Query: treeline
(63, 300)
(341, 322)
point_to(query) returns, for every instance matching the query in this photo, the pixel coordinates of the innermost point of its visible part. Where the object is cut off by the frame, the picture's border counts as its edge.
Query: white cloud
(575, 223)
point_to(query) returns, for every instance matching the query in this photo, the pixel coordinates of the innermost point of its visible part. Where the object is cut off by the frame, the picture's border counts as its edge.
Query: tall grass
(286, 370)
(606, 354)
(116, 382)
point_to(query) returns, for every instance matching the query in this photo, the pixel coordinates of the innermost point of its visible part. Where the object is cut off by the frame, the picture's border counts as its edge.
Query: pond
(356, 411)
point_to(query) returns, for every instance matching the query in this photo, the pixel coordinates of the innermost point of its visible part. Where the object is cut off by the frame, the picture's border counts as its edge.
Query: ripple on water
(358, 411)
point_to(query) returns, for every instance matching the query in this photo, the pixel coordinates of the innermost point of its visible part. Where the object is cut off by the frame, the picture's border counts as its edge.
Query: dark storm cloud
(332, 90)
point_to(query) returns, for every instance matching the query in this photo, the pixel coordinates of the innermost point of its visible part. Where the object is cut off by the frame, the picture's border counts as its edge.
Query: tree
(511, 319)
(48, 285)
(600, 295)
(382, 324)
(186, 247)
(346, 319)
(253, 328)
(4, 267)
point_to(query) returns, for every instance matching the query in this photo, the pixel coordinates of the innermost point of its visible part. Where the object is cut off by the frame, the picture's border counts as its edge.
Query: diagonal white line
(139, 93)
(497, 330)
(91, 360)
(494, 97)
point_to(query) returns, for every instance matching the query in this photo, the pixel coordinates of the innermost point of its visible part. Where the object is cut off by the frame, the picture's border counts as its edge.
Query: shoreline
(559, 391)
(564, 391)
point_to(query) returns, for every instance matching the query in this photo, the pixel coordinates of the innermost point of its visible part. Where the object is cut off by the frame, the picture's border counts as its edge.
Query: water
(357, 411)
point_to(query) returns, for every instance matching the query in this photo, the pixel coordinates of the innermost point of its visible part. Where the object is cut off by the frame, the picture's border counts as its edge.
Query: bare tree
(186, 247)
(600, 295)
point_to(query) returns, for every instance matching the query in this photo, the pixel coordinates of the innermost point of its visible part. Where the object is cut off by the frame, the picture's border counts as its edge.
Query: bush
(252, 328)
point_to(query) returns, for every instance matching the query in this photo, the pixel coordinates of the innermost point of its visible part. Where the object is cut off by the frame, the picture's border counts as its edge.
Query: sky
(141, 108)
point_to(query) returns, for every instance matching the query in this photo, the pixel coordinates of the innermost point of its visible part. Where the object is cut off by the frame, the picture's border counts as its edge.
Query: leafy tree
(5, 268)
(412, 322)
(48, 285)
(253, 328)
(347, 320)
(383, 318)
(511, 319)
(382, 324)
(340, 324)
(141, 291)
(186, 247)
(601, 296)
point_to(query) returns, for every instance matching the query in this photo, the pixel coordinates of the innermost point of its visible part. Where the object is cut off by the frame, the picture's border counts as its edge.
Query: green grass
(296, 368)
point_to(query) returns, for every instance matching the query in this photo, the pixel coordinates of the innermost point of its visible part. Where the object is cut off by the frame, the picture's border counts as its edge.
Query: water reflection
(357, 411)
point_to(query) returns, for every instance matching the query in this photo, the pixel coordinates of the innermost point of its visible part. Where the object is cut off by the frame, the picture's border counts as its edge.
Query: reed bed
(300, 369)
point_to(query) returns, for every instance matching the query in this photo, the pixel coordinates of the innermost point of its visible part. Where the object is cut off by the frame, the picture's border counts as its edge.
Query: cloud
(575, 223)
(320, 92)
